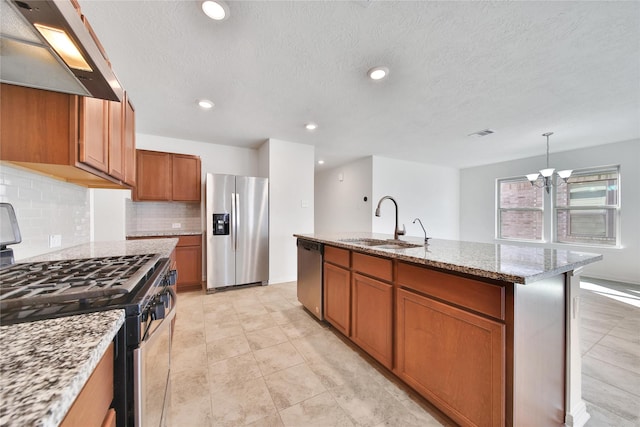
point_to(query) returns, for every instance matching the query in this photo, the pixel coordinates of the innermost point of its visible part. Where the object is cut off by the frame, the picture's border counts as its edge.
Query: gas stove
(37, 290)
(141, 285)
(59, 281)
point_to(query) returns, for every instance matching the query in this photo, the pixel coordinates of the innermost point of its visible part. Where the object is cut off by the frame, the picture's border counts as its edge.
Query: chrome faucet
(426, 239)
(396, 232)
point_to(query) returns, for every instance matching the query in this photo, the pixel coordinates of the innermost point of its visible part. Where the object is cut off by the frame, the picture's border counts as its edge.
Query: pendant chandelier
(548, 173)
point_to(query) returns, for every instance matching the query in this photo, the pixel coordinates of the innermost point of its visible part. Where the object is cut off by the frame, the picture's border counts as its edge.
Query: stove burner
(78, 280)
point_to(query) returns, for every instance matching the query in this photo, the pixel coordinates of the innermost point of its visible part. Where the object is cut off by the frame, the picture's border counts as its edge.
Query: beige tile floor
(254, 357)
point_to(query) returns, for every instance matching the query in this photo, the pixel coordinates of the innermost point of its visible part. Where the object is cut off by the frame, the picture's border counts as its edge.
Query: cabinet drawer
(195, 240)
(93, 402)
(475, 295)
(381, 268)
(336, 256)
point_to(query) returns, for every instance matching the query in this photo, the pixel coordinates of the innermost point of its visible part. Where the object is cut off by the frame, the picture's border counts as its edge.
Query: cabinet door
(153, 180)
(372, 317)
(37, 126)
(116, 140)
(453, 358)
(189, 265)
(129, 143)
(185, 178)
(337, 297)
(93, 139)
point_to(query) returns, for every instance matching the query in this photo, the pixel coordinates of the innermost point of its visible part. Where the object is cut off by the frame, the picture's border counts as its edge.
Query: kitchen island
(488, 333)
(44, 365)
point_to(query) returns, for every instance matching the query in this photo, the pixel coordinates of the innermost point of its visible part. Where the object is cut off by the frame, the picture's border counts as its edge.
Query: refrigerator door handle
(237, 222)
(232, 229)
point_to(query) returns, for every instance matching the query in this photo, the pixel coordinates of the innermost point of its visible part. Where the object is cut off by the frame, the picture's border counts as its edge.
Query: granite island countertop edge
(155, 234)
(45, 364)
(160, 246)
(523, 272)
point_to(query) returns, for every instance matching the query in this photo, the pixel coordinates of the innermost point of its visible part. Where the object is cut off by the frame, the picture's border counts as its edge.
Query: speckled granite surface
(511, 263)
(164, 233)
(161, 247)
(45, 364)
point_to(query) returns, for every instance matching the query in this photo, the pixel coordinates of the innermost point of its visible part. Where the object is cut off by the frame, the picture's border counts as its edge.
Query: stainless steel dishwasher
(310, 276)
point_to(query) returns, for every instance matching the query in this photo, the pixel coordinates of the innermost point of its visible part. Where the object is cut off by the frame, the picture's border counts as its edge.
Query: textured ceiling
(519, 68)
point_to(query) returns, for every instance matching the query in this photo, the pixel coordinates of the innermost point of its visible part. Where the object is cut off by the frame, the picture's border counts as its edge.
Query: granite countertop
(511, 263)
(162, 233)
(44, 365)
(161, 247)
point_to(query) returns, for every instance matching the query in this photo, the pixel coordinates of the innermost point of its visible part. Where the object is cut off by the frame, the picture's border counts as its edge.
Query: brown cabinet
(185, 178)
(337, 297)
(167, 177)
(116, 139)
(372, 317)
(153, 181)
(93, 139)
(337, 288)
(64, 136)
(188, 256)
(129, 136)
(454, 358)
(186, 259)
(358, 302)
(91, 407)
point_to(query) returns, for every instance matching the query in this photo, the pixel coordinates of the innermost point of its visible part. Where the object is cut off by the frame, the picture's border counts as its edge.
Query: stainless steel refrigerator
(237, 230)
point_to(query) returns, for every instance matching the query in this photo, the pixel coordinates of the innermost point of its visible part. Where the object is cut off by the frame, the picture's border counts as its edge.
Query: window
(587, 207)
(520, 210)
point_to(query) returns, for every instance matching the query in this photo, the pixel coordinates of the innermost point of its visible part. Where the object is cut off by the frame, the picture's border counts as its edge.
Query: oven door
(152, 362)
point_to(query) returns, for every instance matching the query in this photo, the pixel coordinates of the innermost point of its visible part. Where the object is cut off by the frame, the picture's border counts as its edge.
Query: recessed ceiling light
(216, 10)
(321, 162)
(311, 126)
(378, 73)
(205, 104)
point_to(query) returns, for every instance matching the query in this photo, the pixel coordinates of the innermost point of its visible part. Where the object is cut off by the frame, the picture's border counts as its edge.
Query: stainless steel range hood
(27, 59)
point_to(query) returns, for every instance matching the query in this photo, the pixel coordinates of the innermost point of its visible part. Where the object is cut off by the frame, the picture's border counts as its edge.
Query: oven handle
(167, 317)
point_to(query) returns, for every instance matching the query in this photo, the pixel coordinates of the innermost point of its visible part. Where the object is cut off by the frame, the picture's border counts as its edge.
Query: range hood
(27, 59)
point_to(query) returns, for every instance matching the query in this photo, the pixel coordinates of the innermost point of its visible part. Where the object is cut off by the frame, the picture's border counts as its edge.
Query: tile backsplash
(153, 217)
(45, 207)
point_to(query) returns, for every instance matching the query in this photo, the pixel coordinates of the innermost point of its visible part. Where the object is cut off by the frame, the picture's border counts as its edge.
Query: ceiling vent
(483, 132)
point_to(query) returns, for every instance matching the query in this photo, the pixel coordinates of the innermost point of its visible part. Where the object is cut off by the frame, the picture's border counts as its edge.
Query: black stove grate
(77, 280)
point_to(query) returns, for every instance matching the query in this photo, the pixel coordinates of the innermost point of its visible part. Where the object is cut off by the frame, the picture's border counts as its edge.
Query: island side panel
(539, 352)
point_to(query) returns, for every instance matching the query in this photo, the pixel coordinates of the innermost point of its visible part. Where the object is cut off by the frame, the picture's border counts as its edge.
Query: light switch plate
(176, 225)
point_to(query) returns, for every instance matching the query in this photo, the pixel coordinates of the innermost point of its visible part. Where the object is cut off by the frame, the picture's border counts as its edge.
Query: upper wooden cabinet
(129, 136)
(116, 136)
(69, 137)
(167, 177)
(94, 133)
(185, 178)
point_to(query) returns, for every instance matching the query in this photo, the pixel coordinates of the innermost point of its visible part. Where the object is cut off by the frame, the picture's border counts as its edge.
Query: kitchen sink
(398, 246)
(382, 244)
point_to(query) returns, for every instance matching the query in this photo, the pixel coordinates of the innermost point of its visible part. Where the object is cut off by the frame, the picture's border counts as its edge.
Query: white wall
(339, 198)
(291, 202)
(108, 219)
(478, 203)
(424, 191)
